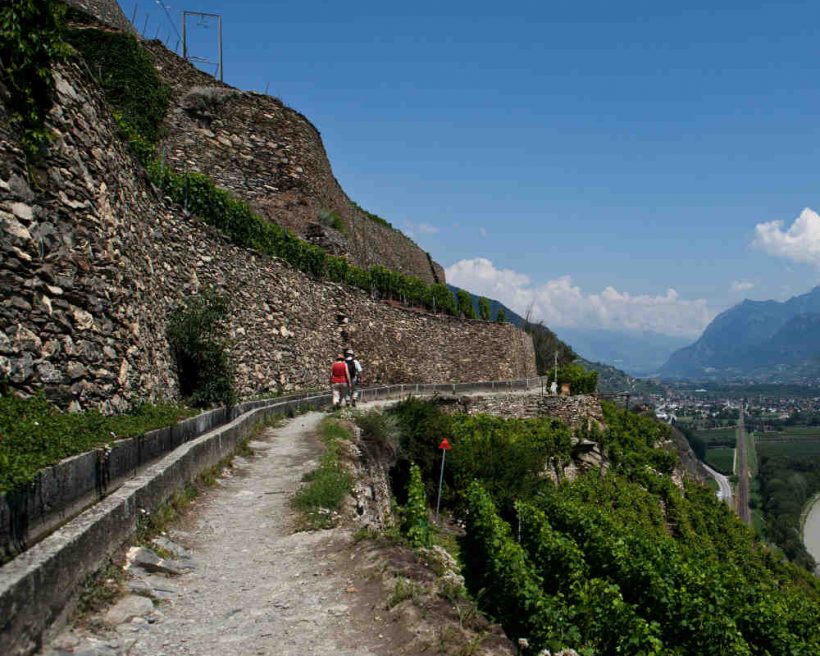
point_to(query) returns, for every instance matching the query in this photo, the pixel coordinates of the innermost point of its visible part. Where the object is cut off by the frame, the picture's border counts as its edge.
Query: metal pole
(440, 482)
(184, 35)
(219, 38)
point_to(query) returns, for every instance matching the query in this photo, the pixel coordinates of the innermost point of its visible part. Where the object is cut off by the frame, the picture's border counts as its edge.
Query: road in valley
(743, 482)
(724, 486)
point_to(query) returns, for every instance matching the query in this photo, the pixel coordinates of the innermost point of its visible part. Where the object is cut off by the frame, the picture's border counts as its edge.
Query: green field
(721, 436)
(794, 446)
(721, 459)
(751, 453)
(790, 441)
(797, 431)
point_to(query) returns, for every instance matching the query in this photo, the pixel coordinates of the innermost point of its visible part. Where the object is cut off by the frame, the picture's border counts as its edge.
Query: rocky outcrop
(273, 157)
(94, 262)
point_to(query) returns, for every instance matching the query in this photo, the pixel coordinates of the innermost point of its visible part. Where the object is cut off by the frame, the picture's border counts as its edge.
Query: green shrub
(556, 556)
(332, 220)
(632, 440)
(484, 308)
(200, 350)
(380, 434)
(579, 379)
(34, 434)
(421, 428)
(499, 574)
(127, 75)
(501, 316)
(508, 456)
(31, 41)
(416, 521)
(405, 589)
(465, 304)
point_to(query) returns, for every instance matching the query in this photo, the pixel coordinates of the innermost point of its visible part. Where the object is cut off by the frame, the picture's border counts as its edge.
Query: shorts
(339, 392)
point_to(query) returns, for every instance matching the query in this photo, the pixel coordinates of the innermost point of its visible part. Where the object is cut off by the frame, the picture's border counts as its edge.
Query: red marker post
(445, 447)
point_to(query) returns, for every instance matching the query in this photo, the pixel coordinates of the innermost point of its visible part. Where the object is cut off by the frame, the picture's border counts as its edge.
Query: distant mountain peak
(755, 339)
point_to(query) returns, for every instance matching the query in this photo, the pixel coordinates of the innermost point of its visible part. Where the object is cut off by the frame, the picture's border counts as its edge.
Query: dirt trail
(255, 587)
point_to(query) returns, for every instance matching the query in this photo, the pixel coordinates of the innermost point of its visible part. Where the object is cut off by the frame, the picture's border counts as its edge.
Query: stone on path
(147, 560)
(128, 608)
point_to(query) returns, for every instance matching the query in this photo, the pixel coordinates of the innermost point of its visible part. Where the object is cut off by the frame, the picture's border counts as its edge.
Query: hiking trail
(254, 586)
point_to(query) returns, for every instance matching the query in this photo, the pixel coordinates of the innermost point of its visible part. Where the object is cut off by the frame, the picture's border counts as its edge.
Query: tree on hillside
(484, 308)
(500, 316)
(546, 344)
(465, 304)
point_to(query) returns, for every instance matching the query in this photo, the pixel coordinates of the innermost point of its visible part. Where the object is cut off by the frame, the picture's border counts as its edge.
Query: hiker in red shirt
(339, 380)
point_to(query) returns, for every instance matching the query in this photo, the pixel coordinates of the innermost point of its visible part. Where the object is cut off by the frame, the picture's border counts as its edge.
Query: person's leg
(337, 401)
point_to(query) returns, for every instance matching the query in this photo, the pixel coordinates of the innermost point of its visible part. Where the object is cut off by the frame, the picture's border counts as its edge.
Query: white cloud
(739, 286)
(559, 302)
(412, 228)
(800, 242)
(482, 232)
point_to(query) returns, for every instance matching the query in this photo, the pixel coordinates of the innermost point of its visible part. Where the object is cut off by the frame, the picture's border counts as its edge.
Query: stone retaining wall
(94, 261)
(572, 410)
(107, 12)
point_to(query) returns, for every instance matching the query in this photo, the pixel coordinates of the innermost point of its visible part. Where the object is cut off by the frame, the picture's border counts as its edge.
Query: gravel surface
(255, 586)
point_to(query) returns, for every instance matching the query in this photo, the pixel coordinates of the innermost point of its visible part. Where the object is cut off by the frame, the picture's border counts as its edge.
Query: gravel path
(255, 587)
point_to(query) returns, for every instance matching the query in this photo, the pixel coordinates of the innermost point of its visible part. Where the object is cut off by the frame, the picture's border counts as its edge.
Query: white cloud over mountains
(559, 302)
(800, 242)
(739, 286)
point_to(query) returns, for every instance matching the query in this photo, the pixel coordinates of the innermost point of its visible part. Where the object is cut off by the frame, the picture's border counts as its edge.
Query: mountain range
(640, 353)
(766, 340)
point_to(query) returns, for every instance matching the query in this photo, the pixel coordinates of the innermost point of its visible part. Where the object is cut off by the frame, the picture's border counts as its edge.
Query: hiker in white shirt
(355, 369)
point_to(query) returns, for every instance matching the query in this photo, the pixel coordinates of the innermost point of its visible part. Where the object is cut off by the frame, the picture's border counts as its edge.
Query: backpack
(351, 367)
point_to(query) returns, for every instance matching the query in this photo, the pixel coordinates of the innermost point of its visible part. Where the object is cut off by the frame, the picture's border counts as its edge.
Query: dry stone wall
(572, 410)
(273, 157)
(93, 262)
(107, 12)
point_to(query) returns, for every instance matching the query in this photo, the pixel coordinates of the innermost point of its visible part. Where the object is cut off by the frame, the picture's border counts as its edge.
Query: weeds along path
(256, 587)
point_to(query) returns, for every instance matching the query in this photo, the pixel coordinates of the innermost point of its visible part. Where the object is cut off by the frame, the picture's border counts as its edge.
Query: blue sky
(581, 157)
